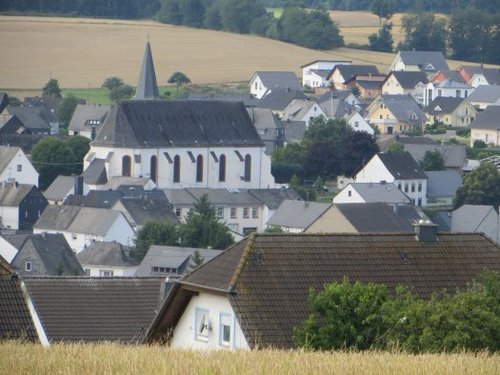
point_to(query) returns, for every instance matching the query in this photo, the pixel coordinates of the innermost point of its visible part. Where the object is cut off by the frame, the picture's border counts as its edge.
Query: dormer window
(429, 67)
(437, 108)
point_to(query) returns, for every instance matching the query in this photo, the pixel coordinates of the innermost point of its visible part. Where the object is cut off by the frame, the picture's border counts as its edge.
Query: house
(10, 243)
(451, 111)
(29, 120)
(400, 169)
(444, 75)
(429, 62)
(358, 123)
(262, 83)
(479, 75)
(20, 205)
(256, 292)
(448, 88)
(168, 261)
(268, 127)
(279, 99)
(81, 226)
(88, 119)
(248, 100)
(46, 254)
(92, 309)
(295, 216)
(15, 166)
(486, 127)
(178, 143)
(138, 211)
(342, 74)
(64, 186)
(369, 86)
(454, 156)
(107, 259)
(133, 183)
(406, 83)
(366, 218)
(442, 187)
(302, 110)
(293, 131)
(394, 114)
(476, 219)
(334, 106)
(386, 142)
(484, 96)
(359, 192)
(315, 73)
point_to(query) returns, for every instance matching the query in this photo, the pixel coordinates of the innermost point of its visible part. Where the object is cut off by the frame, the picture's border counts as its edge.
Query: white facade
(359, 124)
(260, 176)
(19, 169)
(9, 217)
(7, 250)
(208, 323)
(348, 195)
(257, 87)
(392, 87)
(478, 79)
(108, 271)
(312, 79)
(488, 136)
(434, 90)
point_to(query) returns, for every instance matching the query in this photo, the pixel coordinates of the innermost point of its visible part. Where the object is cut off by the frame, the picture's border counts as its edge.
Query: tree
(65, 110)
(51, 89)
(382, 9)
(121, 93)
(202, 229)
(396, 148)
(52, 157)
(481, 186)
(238, 15)
(160, 232)
(382, 41)
(112, 82)
(79, 146)
(179, 79)
(424, 32)
(169, 12)
(197, 258)
(432, 161)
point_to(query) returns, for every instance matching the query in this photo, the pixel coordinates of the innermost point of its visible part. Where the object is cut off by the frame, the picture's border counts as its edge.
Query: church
(179, 143)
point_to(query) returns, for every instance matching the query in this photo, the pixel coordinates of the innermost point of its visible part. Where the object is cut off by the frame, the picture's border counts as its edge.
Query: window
(233, 212)
(412, 187)
(177, 168)
(152, 168)
(199, 168)
(105, 273)
(19, 167)
(201, 324)
(349, 193)
(457, 93)
(419, 186)
(233, 227)
(406, 188)
(255, 212)
(399, 185)
(356, 124)
(178, 212)
(222, 168)
(219, 213)
(28, 267)
(419, 201)
(225, 329)
(248, 168)
(126, 166)
(73, 236)
(245, 213)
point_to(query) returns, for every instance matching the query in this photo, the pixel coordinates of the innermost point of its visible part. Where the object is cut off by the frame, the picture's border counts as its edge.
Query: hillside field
(16, 358)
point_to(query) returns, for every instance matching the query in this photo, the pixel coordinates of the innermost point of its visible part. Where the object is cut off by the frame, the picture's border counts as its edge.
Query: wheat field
(16, 358)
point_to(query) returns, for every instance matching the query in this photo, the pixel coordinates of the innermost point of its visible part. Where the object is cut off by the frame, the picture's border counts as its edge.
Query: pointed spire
(147, 87)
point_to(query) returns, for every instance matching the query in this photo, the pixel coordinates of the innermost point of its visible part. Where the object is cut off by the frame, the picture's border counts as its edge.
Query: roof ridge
(242, 262)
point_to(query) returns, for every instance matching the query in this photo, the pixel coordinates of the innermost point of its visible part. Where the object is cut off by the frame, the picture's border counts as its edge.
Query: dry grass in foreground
(16, 358)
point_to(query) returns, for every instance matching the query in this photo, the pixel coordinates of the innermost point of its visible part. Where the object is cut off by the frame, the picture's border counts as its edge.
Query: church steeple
(147, 87)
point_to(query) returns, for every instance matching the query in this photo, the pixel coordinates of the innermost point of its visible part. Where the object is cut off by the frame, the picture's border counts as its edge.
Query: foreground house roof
(401, 166)
(267, 278)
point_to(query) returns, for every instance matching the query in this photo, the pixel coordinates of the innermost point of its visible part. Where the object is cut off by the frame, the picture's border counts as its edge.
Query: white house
(446, 88)
(82, 226)
(106, 259)
(358, 192)
(178, 143)
(315, 73)
(358, 123)
(87, 120)
(486, 127)
(303, 110)
(16, 167)
(295, 216)
(429, 62)
(406, 83)
(401, 170)
(262, 83)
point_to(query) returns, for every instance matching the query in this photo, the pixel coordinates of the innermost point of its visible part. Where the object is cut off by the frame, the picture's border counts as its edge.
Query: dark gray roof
(92, 309)
(369, 84)
(144, 209)
(379, 192)
(174, 258)
(177, 123)
(485, 93)
(423, 59)
(452, 74)
(15, 318)
(406, 110)
(443, 220)
(294, 130)
(334, 106)
(444, 105)
(126, 182)
(454, 156)
(279, 98)
(4, 101)
(7, 153)
(12, 195)
(248, 100)
(218, 197)
(272, 198)
(33, 117)
(323, 73)
(451, 84)
(95, 198)
(284, 80)
(443, 183)
(24, 141)
(267, 278)
(492, 75)
(48, 102)
(111, 254)
(472, 218)
(265, 122)
(402, 166)
(487, 119)
(16, 239)
(297, 214)
(147, 87)
(85, 116)
(348, 71)
(95, 173)
(408, 80)
(60, 187)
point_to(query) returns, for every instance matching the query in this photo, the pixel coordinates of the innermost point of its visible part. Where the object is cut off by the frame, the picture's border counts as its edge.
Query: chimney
(426, 231)
(78, 185)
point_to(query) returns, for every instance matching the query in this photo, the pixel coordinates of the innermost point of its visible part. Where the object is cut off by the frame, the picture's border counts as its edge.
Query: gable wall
(362, 125)
(343, 196)
(257, 88)
(7, 250)
(29, 254)
(9, 217)
(27, 175)
(374, 171)
(121, 231)
(332, 221)
(392, 87)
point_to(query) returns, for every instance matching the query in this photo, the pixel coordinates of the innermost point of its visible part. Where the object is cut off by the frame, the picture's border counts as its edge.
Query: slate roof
(379, 192)
(23, 141)
(423, 58)
(95, 198)
(294, 130)
(487, 119)
(16, 239)
(111, 254)
(179, 258)
(443, 183)
(454, 156)
(264, 121)
(144, 209)
(218, 197)
(272, 198)
(33, 117)
(4, 101)
(76, 219)
(492, 75)
(267, 278)
(48, 102)
(12, 195)
(95, 173)
(279, 98)
(444, 105)
(451, 74)
(247, 99)
(273, 80)
(7, 153)
(405, 110)
(402, 166)
(116, 182)
(323, 73)
(15, 318)
(147, 88)
(59, 188)
(84, 114)
(90, 309)
(297, 214)
(485, 94)
(177, 123)
(336, 107)
(350, 71)
(297, 109)
(443, 220)
(471, 218)
(369, 85)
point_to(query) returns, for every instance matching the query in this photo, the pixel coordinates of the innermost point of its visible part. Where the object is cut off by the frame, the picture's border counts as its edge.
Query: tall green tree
(160, 232)
(65, 110)
(383, 9)
(52, 157)
(179, 79)
(112, 82)
(170, 12)
(52, 89)
(382, 41)
(424, 32)
(481, 186)
(432, 161)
